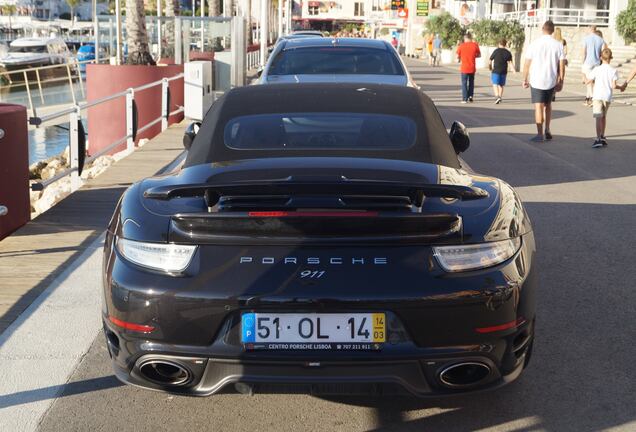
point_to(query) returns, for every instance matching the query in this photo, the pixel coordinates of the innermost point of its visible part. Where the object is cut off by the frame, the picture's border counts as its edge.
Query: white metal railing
(253, 59)
(31, 76)
(560, 16)
(76, 131)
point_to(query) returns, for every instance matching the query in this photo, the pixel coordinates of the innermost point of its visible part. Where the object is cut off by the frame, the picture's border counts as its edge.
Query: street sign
(398, 4)
(422, 8)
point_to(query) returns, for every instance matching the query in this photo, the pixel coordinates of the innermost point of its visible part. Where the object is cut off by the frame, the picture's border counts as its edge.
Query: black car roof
(432, 146)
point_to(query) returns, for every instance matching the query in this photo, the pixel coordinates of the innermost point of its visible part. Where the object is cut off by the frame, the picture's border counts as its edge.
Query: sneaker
(470, 99)
(587, 102)
(597, 143)
(548, 136)
(604, 140)
(537, 138)
(498, 101)
(464, 101)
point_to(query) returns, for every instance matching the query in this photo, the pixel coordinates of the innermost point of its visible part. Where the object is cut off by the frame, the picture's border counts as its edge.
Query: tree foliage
(490, 32)
(447, 27)
(626, 22)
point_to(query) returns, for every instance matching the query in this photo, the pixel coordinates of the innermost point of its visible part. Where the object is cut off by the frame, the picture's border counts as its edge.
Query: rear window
(335, 60)
(320, 131)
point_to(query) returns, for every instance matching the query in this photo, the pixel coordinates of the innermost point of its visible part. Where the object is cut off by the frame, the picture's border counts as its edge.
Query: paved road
(583, 205)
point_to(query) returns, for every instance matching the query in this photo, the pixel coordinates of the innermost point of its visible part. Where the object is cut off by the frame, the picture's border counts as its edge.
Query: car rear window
(320, 131)
(335, 60)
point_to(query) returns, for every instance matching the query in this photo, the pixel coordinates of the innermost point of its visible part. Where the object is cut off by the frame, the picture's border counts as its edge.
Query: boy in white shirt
(605, 79)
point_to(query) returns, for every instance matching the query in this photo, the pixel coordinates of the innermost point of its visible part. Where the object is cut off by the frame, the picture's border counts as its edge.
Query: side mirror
(459, 137)
(259, 72)
(190, 132)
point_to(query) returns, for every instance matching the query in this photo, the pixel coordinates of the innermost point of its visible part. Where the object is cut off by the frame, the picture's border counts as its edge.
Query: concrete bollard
(15, 209)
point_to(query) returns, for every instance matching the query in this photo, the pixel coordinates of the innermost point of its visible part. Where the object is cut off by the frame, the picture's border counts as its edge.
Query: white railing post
(70, 83)
(73, 153)
(28, 89)
(178, 39)
(165, 108)
(130, 115)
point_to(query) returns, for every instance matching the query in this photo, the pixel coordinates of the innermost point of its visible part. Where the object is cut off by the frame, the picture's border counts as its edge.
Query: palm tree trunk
(137, 35)
(214, 8)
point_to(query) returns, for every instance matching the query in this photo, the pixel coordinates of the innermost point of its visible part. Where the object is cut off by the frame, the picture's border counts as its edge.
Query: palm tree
(73, 4)
(168, 32)
(214, 8)
(8, 10)
(136, 34)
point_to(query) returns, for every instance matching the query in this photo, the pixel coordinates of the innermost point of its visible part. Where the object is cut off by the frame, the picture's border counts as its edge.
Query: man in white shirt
(545, 63)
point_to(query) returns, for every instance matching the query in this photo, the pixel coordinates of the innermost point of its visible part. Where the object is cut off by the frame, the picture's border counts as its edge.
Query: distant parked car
(314, 60)
(308, 33)
(293, 36)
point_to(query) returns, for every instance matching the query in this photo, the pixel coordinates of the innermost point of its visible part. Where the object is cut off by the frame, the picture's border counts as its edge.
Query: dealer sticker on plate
(355, 331)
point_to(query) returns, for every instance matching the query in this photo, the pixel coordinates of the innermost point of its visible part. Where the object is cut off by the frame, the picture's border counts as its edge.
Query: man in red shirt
(466, 55)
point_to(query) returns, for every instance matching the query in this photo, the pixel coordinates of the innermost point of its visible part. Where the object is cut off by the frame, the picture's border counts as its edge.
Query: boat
(34, 52)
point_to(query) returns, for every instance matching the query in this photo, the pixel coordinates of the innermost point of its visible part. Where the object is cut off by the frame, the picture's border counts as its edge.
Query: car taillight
(475, 256)
(157, 256)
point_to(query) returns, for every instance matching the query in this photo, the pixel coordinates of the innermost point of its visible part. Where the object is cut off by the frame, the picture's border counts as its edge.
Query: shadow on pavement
(564, 159)
(70, 389)
(476, 115)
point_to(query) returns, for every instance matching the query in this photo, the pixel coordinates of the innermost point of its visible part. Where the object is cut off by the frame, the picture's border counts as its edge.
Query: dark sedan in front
(321, 237)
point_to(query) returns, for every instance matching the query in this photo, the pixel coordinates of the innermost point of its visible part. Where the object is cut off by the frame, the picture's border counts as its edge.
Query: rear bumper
(414, 371)
(417, 377)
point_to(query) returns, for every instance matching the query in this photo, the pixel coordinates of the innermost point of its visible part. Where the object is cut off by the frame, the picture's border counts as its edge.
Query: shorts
(498, 79)
(586, 69)
(599, 108)
(541, 96)
(435, 52)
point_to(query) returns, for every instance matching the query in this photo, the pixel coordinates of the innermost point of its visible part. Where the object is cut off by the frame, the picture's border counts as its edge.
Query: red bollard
(14, 169)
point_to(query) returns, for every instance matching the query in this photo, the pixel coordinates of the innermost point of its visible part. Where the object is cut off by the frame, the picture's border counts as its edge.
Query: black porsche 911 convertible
(321, 238)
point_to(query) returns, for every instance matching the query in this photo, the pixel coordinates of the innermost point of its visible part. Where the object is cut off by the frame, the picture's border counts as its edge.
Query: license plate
(313, 331)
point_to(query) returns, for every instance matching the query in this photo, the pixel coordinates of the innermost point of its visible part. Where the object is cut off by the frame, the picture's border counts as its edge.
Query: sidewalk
(32, 257)
(573, 83)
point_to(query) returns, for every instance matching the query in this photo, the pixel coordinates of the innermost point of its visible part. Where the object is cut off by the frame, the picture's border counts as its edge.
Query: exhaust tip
(165, 372)
(464, 374)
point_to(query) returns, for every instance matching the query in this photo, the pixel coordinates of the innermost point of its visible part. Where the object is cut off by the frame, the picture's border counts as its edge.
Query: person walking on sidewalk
(499, 60)
(605, 80)
(593, 44)
(467, 53)
(437, 50)
(545, 64)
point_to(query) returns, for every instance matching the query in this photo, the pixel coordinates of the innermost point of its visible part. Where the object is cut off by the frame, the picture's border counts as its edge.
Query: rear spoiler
(289, 186)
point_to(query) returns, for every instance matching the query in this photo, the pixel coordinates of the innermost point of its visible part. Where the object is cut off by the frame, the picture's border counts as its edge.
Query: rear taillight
(131, 326)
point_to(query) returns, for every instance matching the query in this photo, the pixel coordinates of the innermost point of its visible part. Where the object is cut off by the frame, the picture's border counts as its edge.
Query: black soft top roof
(432, 144)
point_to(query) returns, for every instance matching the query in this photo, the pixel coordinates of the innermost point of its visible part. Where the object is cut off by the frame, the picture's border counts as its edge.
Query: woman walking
(559, 36)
